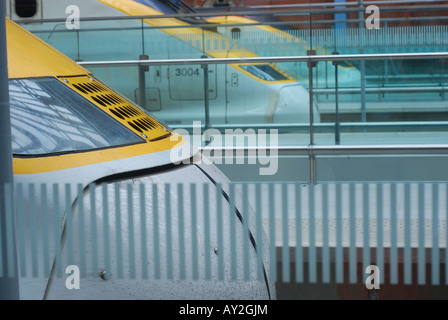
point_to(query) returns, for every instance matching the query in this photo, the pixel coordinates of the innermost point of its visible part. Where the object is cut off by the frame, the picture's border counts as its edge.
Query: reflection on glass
(47, 117)
(390, 92)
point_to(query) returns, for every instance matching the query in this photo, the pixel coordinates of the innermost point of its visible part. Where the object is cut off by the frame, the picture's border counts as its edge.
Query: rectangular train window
(47, 117)
(264, 72)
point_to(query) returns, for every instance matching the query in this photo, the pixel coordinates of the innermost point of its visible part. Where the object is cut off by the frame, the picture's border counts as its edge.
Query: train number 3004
(187, 72)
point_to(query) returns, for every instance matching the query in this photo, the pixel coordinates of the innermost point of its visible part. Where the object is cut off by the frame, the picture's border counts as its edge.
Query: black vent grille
(118, 107)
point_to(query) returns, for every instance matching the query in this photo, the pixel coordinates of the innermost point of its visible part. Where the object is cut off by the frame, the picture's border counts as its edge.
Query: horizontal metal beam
(328, 127)
(329, 150)
(314, 58)
(383, 90)
(334, 4)
(231, 25)
(286, 12)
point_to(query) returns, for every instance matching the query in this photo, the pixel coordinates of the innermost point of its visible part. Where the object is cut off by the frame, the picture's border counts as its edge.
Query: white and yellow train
(71, 130)
(238, 93)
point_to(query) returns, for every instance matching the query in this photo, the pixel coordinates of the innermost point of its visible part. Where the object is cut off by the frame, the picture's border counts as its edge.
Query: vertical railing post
(311, 65)
(9, 279)
(142, 81)
(362, 65)
(141, 71)
(337, 134)
(337, 138)
(78, 56)
(310, 89)
(206, 98)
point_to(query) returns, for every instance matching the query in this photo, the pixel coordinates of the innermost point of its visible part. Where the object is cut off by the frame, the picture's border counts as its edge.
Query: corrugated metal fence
(179, 231)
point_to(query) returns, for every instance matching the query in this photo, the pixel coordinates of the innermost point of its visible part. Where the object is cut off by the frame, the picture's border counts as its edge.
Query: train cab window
(47, 117)
(26, 8)
(264, 72)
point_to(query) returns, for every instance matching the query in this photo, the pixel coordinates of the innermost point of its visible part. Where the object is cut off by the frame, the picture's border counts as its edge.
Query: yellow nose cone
(29, 56)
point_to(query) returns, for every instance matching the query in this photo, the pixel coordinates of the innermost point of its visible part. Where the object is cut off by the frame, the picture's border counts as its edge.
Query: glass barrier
(412, 106)
(375, 97)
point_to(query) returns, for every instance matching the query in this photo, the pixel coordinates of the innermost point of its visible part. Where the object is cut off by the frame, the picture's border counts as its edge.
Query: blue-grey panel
(345, 169)
(382, 168)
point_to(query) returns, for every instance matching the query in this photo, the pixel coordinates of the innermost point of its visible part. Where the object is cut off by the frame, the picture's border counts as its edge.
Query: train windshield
(264, 72)
(47, 117)
(173, 7)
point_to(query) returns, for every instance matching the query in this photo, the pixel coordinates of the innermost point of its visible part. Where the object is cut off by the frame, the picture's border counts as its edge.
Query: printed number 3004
(187, 72)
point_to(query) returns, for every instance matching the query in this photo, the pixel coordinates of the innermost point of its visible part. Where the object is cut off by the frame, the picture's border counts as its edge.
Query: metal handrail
(334, 4)
(382, 89)
(251, 13)
(324, 127)
(230, 25)
(310, 58)
(321, 150)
